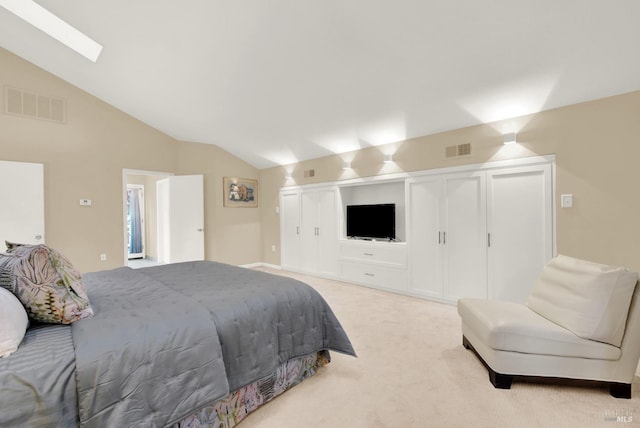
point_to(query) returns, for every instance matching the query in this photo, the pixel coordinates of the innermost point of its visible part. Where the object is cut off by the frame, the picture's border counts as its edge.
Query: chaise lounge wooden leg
(500, 381)
(465, 343)
(620, 390)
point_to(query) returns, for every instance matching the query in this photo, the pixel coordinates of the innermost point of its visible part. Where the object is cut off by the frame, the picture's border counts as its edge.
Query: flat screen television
(377, 221)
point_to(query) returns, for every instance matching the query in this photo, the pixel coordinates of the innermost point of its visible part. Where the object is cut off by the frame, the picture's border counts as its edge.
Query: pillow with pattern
(45, 282)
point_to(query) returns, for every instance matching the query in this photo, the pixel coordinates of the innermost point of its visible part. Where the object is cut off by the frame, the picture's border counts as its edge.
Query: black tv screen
(376, 221)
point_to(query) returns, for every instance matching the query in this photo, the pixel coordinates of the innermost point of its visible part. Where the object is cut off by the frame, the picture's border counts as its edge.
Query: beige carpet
(412, 371)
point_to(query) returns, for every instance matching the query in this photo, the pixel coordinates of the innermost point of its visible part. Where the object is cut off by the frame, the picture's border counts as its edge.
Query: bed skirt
(230, 410)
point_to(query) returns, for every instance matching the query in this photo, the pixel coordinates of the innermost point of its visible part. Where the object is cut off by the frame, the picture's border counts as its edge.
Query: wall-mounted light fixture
(509, 138)
(388, 158)
(346, 165)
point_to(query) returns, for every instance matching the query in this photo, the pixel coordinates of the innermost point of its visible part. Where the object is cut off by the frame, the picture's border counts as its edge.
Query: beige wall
(85, 157)
(596, 144)
(233, 235)
(597, 148)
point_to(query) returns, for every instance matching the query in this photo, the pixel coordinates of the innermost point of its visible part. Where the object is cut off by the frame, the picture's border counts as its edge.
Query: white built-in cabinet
(309, 231)
(448, 236)
(483, 231)
(375, 263)
(484, 234)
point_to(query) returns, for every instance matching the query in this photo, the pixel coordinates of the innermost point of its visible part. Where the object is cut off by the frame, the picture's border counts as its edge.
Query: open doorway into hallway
(140, 217)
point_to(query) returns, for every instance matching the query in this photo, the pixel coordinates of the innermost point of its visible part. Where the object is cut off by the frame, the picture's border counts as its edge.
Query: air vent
(460, 150)
(30, 104)
(309, 173)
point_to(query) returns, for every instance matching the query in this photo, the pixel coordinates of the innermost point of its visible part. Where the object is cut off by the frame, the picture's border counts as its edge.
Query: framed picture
(240, 192)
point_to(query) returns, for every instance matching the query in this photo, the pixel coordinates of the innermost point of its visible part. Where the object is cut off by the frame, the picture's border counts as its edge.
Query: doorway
(140, 243)
(135, 222)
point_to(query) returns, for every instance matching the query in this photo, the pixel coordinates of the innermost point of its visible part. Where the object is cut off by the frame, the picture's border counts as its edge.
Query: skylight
(55, 27)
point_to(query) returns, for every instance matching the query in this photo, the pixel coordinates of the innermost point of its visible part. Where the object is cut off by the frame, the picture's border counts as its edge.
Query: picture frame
(240, 192)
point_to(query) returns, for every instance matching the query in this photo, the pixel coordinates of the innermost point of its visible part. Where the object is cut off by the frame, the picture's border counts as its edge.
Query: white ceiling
(275, 82)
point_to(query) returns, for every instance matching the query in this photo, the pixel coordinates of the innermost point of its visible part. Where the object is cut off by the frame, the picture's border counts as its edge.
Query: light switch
(566, 201)
(85, 202)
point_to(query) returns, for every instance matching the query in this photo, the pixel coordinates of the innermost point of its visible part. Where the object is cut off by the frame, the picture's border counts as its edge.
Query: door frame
(125, 173)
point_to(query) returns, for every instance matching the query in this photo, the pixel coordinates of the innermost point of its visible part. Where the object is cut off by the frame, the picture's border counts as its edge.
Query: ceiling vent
(36, 106)
(309, 173)
(458, 151)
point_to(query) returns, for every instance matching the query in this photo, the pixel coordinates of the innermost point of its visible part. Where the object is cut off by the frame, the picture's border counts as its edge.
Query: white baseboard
(261, 264)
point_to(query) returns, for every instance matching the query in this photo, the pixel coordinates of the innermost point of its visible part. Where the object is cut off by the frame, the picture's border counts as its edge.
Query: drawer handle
(368, 254)
(369, 274)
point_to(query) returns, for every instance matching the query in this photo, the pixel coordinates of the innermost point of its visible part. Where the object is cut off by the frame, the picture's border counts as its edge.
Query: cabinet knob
(38, 237)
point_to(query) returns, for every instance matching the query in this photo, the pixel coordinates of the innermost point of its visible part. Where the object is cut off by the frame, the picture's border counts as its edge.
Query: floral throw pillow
(45, 282)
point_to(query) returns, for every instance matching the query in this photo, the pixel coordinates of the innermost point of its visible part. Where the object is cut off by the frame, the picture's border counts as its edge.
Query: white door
(520, 225)
(290, 230)
(465, 235)
(22, 207)
(180, 219)
(425, 236)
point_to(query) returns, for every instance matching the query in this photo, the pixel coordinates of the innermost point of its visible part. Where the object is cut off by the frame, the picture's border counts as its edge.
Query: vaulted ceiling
(275, 82)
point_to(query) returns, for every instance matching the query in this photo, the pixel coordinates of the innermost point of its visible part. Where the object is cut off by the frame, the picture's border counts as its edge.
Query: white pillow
(590, 299)
(13, 322)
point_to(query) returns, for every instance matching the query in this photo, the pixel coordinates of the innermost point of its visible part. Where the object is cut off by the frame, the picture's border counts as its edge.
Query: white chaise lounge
(581, 321)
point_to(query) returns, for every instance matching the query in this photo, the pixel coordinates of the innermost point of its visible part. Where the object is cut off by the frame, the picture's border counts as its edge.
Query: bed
(181, 345)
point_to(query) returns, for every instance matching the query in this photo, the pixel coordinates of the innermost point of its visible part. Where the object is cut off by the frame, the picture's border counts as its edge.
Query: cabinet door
(520, 224)
(327, 233)
(425, 237)
(319, 234)
(290, 230)
(309, 231)
(464, 235)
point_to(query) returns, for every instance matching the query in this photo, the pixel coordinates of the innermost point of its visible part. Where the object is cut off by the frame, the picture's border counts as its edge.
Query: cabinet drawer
(379, 276)
(392, 254)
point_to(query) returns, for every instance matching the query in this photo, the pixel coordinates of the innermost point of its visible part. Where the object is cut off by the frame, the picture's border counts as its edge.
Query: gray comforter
(168, 340)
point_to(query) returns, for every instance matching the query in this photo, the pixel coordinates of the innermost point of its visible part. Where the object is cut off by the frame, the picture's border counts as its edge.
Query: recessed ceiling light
(55, 27)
